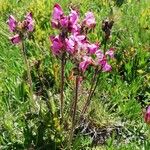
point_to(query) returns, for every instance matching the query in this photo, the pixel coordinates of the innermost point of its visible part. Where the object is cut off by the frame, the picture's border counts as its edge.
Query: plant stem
(92, 90)
(62, 87)
(89, 95)
(74, 109)
(97, 81)
(28, 69)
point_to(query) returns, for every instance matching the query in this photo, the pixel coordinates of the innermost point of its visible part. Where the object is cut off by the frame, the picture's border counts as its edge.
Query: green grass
(120, 96)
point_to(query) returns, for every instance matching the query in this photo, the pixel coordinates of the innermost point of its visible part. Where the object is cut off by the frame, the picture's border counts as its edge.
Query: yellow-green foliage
(145, 18)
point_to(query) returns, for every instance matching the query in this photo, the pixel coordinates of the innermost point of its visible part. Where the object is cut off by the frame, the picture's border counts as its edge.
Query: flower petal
(70, 45)
(85, 63)
(89, 20)
(106, 67)
(57, 12)
(92, 48)
(57, 45)
(64, 21)
(15, 39)
(73, 17)
(29, 23)
(110, 53)
(12, 23)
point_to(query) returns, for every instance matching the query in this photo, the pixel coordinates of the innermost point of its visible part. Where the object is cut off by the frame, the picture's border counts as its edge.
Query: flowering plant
(72, 44)
(21, 29)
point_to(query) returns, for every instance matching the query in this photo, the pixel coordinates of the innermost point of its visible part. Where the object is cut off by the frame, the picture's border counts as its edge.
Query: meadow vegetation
(115, 118)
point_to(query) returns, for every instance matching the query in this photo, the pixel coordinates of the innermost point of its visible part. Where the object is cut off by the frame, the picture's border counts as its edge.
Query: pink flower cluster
(27, 25)
(73, 40)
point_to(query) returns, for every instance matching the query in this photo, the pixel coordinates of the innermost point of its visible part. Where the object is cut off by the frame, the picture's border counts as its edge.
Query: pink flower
(79, 38)
(55, 24)
(20, 27)
(64, 21)
(57, 45)
(28, 16)
(15, 39)
(81, 43)
(99, 55)
(147, 115)
(57, 15)
(85, 63)
(57, 12)
(102, 61)
(73, 17)
(110, 53)
(92, 48)
(70, 45)
(12, 23)
(74, 43)
(60, 21)
(29, 23)
(106, 67)
(73, 25)
(75, 28)
(89, 20)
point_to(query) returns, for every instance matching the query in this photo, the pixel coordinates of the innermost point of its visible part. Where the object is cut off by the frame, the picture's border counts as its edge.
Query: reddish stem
(87, 103)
